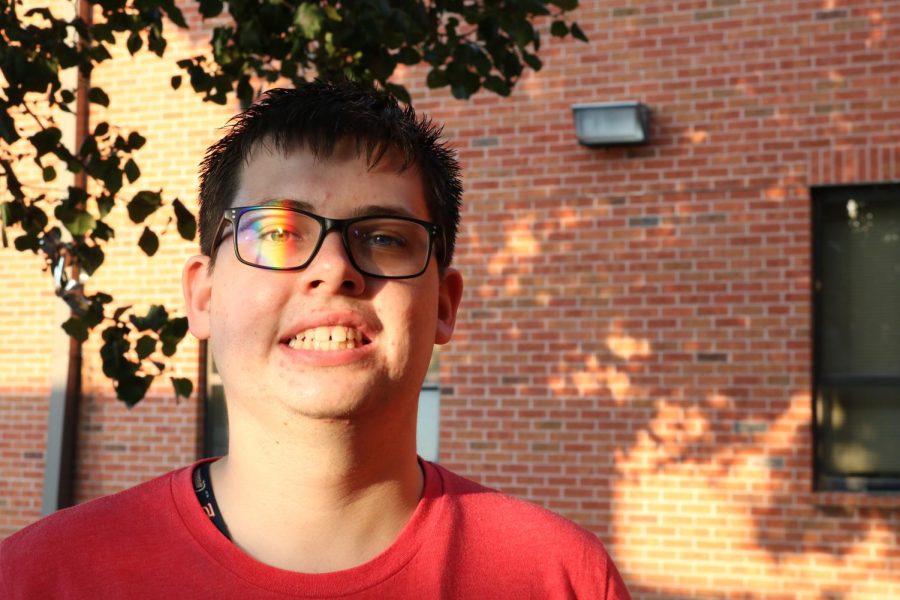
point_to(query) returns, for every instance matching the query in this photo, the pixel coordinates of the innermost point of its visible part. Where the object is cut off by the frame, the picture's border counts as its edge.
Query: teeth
(327, 338)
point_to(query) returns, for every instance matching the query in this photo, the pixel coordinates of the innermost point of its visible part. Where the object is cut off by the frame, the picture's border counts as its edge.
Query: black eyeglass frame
(326, 226)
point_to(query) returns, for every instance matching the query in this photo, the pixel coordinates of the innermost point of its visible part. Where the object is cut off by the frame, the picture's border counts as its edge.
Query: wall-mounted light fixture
(612, 123)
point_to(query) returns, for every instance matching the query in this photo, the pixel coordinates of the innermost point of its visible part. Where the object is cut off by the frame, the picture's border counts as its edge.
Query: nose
(331, 270)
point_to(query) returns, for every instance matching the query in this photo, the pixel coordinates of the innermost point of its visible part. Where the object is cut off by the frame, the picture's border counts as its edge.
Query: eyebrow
(360, 211)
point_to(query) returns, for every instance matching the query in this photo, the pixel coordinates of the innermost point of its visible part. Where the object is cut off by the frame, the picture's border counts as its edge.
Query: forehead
(334, 185)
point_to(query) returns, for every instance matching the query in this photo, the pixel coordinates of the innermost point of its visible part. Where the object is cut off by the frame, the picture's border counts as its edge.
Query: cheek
(242, 316)
(418, 322)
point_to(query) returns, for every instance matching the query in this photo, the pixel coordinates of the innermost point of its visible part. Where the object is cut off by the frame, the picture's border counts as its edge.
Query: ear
(449, 296)
(196, 285)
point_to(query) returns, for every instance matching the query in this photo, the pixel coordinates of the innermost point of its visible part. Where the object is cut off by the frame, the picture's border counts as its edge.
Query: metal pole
(65, 394)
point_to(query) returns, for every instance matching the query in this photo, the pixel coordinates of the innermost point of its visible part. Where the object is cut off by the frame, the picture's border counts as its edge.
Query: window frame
(823, 479)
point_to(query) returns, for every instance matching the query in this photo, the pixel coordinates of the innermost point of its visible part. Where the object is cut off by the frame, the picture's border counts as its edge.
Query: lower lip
(327, 358)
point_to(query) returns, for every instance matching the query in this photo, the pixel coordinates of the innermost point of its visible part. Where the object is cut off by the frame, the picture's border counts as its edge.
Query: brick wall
(635, 343)
(634, 349)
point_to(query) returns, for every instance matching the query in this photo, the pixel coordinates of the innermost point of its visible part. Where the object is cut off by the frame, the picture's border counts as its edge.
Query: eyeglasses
(287, 239)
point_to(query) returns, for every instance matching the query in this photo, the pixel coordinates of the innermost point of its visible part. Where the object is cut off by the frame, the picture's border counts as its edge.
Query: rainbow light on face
(276, 238)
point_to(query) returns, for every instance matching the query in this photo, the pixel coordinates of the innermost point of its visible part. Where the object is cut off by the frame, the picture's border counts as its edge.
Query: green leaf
(105, 203)
(46, 140)
(437, 78)
(183, 387)
(156, 43)
(131, 389)
(532, 61)
(408, 56)
(120, 311)
(89, 257)
(99, 53)
(144, 204)
(48, 174)
(89, 147)
(578, 34)
(102, 231)
(132, 172)
(13, 211)
(559, 29)
(187, 223)
(109, 172)
(136, 141)
(94, 314)
(145, 346)
(76, 220)
(210, 8)
(155, 318)
(460, 91)
(34, 220)
(98, 96)
(496, 85)
(245, 91)
(113, 350)
(398, 91)
(565, 4)
(134, 42)
(176, 82)
(149, 242)
(27, 241)
(8, 128)
(174, 13)
(76, 328)
(309, 19)
(76, 195)
(172, 333)
(332, 13)
(102, 32)
(3, 223)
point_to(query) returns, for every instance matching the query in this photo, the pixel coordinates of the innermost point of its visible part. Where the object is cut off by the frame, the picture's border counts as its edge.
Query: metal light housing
(612, 123)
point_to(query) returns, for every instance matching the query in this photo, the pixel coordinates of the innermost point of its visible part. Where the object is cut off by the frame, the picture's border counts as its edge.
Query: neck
(318, 495)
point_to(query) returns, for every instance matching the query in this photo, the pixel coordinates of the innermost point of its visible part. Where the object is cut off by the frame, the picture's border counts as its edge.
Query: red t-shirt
(155, 541)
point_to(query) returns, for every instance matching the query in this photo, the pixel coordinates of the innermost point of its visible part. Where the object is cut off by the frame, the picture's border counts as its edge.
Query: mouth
(328, 338)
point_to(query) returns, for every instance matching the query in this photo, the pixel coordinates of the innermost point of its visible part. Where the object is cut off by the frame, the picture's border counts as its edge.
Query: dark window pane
(215, 413)
(860, 286)
(215, 438)
(857, 333)
(860, 434)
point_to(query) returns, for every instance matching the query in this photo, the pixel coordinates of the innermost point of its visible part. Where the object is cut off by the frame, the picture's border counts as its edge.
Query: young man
(328, 216)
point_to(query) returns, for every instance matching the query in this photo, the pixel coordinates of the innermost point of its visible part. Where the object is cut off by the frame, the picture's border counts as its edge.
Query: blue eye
(384, 240)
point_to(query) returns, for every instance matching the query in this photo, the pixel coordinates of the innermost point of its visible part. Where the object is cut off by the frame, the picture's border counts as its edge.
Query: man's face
(256, 319)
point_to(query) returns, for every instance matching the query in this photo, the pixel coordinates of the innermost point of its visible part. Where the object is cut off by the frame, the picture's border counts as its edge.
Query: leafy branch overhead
(466, 46)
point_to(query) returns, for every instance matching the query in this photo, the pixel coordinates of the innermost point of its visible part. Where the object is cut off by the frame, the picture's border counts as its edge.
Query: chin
(323, 407)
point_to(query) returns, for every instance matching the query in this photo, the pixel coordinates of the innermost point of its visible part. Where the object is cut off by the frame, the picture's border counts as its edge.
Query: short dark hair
(316, 116)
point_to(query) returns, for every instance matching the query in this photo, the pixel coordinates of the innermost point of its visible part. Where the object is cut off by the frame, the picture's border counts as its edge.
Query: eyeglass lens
(283, 239)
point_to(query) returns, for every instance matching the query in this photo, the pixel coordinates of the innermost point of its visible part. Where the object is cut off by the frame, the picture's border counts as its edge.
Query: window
(215, 416)
(857, 337)
(429, 415)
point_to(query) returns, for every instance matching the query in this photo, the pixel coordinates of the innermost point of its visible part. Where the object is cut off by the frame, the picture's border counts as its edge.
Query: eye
(382, 239)
(276, 235)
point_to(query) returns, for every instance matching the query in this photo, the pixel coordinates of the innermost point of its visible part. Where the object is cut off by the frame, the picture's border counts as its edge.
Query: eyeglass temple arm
(221, 233)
